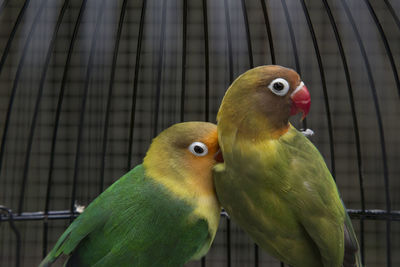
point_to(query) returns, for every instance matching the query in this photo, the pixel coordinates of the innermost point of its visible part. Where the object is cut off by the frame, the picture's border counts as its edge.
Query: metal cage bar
(57, 122)
(16, 80)
(3, 5)
(110, 91)
(183, 81)
(269, 32)
(323, 81)
(393, 13)
(251, 65)
(385, 43)
(7, 215)
(15, 231)
(297, 63)
(160, 63)
(206, 77)
(83, 105)
(354, 116)
(230, 62)
(135, 83)
(13, 92)
(206, 61)
(380, 128)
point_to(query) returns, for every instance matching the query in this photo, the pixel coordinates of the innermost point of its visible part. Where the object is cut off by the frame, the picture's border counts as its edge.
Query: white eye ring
(198, 149)
(275, 84)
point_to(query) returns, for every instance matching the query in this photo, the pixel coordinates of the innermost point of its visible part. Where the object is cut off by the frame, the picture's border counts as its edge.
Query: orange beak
(301, 101)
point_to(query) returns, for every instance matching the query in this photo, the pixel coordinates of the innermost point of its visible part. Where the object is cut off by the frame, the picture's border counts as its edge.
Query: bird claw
(307, 132)
(225, 214)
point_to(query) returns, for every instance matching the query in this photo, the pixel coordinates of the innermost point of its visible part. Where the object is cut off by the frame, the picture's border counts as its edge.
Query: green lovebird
(164, 212)
(274, 183)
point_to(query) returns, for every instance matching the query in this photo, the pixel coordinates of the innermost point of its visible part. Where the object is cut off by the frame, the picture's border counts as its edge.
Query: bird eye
(279, 86)
(198, 149)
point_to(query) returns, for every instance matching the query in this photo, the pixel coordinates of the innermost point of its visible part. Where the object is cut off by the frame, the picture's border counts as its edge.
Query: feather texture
(135, 222)
(281, 192)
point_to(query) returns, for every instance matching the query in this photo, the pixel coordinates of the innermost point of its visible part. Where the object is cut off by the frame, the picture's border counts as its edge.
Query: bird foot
(79, 208)
(307, 132)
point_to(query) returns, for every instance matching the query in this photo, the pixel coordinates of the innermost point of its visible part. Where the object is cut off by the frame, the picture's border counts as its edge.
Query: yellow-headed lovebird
(274, 183)
(164, 212)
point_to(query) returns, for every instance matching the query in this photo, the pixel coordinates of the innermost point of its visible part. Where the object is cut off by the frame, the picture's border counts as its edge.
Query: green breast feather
(135, 222)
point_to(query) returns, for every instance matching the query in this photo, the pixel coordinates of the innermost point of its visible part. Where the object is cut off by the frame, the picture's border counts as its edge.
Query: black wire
(16, 233)
(393, 13)
(251, 64)
(135, 84)
(206, 61)
(183, 81)
(83, 105)
(3, 5)
(323, 81)
(295, 53)
(57, 121)
(353, 115)
(229, 36)
(373, 215)
(269, 32)
(380, 126)
(207, 78)
(292, 36)
(11, 37)
(160, 64)
(38, 100)
(13, 92)
(230, 58)
(109, 96)
(386, 44)
(248, 36)
(39, 95)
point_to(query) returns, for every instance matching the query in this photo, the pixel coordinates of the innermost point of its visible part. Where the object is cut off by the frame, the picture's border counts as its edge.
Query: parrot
(272, 181)
(163, 212)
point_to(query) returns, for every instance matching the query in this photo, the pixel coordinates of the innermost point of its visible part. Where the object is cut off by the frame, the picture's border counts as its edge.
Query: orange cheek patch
(212, 142)
(201, 168)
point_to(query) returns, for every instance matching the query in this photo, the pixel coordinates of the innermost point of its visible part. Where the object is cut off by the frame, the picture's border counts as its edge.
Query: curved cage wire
(85, 85)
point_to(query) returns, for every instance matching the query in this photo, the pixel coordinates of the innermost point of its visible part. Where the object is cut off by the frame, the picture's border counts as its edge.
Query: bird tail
(48, 261)
(352, 254)
(63, 245)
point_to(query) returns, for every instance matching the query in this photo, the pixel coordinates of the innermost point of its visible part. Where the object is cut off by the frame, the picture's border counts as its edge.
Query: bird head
(182, 156)
(270, 94)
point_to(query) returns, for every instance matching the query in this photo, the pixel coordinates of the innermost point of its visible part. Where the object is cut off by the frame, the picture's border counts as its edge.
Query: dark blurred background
(85, 86)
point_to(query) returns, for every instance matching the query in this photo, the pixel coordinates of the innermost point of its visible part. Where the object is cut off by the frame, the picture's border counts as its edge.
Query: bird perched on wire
(274, 183)
(163, 212)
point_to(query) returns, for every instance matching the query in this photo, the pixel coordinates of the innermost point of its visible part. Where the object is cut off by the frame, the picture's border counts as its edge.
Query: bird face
(184, 154)
(283, 93)
(199, 149)
(272, 92)
(300, 96)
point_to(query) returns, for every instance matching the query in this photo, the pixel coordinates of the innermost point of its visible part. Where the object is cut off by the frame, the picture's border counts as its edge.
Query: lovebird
(273, 181)
(164, 212)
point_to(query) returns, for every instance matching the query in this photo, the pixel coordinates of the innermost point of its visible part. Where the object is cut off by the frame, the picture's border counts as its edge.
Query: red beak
(301, 101)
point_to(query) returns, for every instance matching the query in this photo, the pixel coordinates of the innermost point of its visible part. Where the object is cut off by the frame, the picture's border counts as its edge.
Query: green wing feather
(352, 255)
(286, 199)
(328, 221)
(135, 222)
